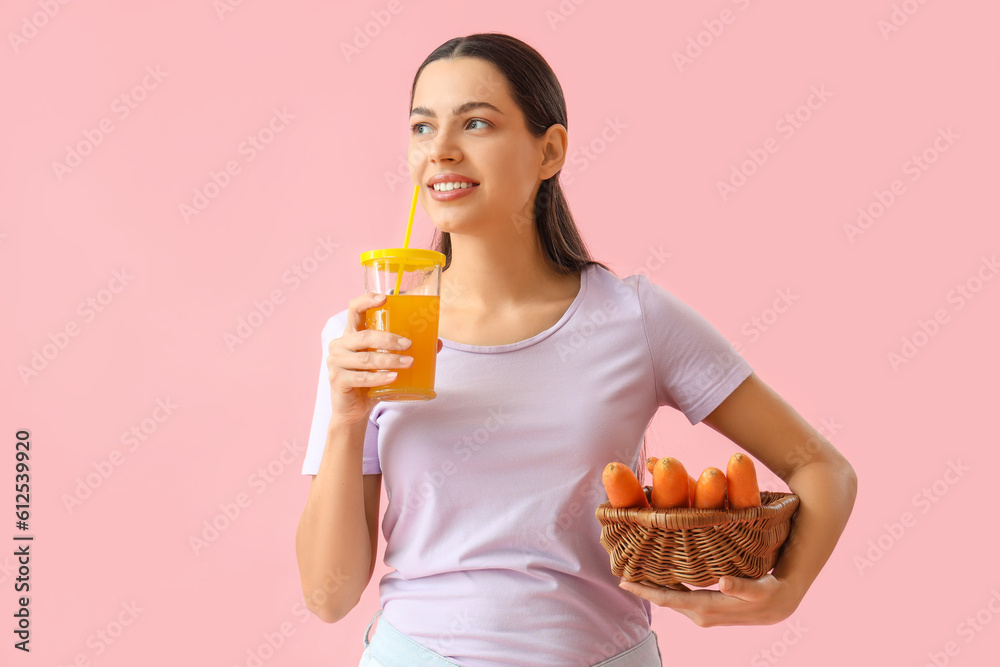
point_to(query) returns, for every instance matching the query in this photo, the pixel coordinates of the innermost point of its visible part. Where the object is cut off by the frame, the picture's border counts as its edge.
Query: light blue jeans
(391, 648)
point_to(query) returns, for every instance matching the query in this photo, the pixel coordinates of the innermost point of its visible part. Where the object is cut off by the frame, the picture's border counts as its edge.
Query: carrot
(622, 486)
(650, 462)
(710, 492)
(671, 486)
(741, 480)
(692, 483)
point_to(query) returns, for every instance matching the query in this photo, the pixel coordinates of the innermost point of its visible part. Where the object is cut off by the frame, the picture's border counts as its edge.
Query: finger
(370, 339)
(440, 344)
(367, 360)
(740, 588)
(356, 310)
(658, 595)
(348, 380)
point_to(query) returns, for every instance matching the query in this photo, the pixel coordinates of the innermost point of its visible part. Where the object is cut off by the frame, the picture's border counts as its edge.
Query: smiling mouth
(453, 185)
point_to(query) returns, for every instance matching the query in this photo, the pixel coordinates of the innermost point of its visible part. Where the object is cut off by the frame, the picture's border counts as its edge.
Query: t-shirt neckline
(537, 338)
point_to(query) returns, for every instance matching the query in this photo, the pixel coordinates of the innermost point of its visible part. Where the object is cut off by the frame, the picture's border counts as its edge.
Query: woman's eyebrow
(457, 111)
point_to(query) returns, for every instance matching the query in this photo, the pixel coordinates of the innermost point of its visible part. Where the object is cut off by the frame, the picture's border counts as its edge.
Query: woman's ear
(554, 143)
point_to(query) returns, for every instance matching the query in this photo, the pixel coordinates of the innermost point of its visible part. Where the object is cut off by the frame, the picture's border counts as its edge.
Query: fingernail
(405, 342)
(391, 375)
(406, 360)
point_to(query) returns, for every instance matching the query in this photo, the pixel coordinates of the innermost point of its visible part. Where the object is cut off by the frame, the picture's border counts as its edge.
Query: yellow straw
(406, 241)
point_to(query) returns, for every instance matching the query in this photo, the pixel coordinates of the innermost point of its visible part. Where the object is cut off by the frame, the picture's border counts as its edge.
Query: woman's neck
(498, 273)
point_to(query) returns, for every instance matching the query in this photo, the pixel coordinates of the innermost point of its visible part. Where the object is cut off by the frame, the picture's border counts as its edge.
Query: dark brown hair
(537, 92)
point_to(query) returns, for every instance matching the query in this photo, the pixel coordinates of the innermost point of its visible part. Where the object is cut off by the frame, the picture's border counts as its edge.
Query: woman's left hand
(763, 601)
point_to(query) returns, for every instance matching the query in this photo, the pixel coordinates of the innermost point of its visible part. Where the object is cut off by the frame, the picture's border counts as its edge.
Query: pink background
(649, 188)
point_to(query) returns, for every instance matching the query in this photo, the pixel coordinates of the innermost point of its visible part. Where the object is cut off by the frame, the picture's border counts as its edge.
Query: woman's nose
(443, 146)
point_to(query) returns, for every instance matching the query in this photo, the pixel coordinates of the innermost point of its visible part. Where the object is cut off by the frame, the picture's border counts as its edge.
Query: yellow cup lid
(408, 256)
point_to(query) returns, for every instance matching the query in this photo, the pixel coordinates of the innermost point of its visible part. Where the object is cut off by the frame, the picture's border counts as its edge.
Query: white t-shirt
(492, 486)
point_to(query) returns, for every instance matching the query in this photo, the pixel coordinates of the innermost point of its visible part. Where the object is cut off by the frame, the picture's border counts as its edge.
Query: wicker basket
(673, 547)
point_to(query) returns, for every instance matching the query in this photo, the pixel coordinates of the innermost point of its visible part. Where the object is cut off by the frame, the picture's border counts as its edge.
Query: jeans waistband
(390, 647)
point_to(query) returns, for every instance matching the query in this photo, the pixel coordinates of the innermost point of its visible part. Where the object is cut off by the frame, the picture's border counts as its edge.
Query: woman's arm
(757, 419)
(337, 537)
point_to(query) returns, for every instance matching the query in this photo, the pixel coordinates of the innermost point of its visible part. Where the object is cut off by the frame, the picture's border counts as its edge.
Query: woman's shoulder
(607, 284)
(638, 294)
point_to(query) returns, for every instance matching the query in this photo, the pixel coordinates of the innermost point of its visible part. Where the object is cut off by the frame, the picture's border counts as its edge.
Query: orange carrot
(741, 479)
(622, 486)
(670, 484)
(710, 492)
(650, 462)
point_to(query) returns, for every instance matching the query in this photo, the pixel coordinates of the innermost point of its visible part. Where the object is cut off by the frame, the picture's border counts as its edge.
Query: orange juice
(415, 317)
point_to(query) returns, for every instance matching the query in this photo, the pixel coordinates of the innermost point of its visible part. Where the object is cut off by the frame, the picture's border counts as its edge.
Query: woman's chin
(453, 226)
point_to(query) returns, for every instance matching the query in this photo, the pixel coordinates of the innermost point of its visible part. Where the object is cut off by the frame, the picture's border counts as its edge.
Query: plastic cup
(411, 313)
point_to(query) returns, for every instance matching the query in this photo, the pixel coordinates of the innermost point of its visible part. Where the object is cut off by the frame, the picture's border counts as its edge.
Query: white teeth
(451, 185)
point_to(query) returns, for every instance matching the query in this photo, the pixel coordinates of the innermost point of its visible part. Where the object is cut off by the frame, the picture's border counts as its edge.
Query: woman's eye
(416, 128)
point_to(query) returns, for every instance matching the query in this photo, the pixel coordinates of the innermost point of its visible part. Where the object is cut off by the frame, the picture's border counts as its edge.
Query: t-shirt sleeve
(694, 366)
(323, 411)
(369, 459)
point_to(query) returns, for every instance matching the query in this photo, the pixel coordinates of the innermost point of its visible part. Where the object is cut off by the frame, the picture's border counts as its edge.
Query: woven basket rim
(774, 505)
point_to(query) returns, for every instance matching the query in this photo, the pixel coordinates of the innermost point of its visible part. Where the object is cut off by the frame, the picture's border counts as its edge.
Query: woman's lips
(451, 194)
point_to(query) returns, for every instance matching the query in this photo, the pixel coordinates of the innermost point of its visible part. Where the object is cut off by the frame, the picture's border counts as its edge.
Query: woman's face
(465, 122)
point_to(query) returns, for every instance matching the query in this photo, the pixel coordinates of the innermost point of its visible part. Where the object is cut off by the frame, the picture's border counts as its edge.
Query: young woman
(549, 367)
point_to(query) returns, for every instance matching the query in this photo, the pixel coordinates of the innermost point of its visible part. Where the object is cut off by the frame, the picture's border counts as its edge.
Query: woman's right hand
(350, 362)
